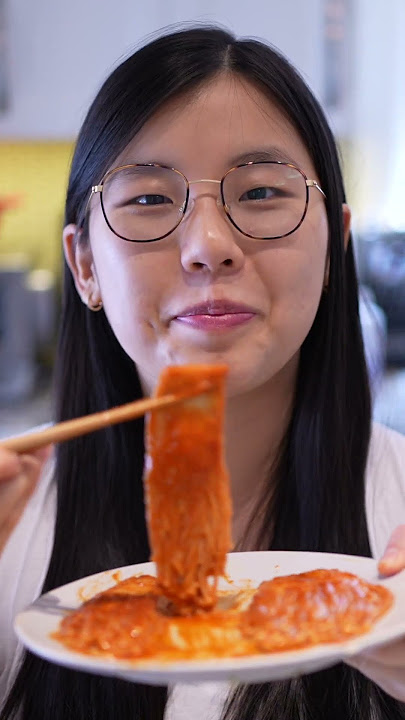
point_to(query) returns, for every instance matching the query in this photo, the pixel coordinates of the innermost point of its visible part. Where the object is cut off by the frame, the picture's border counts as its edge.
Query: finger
(15, 493)
(10, 465)
(43, 453)
(393, 560)
(33, 461)
(14, 496)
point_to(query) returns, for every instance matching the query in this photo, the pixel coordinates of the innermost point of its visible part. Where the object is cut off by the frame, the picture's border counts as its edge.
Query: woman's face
(207, 293)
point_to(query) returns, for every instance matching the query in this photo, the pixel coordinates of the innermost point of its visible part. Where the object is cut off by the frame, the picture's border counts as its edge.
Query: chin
(243, 380)
(245, 374)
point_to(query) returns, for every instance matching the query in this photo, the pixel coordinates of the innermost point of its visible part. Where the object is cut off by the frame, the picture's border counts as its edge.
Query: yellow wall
(38, 171)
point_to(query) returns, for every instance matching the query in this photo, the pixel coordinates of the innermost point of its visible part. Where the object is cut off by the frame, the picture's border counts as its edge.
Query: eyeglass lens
(264, 200)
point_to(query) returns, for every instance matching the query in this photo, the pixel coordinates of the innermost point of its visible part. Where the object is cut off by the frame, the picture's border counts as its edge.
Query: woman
(206, 222)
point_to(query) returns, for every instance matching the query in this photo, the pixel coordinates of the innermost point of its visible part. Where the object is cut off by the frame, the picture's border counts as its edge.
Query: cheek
(132, 285)
(122, 281)
(294, 277)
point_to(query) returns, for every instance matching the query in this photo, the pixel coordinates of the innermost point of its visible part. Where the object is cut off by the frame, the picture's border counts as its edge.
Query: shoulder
(386, 455)
(385, 485)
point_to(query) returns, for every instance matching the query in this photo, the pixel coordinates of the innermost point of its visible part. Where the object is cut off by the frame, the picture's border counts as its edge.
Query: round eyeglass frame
(308, 184)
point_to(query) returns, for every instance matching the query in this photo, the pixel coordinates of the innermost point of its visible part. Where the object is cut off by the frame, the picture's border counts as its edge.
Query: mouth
(215, 315)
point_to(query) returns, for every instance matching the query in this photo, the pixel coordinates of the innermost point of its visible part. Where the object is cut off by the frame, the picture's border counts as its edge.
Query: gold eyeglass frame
(308, 184)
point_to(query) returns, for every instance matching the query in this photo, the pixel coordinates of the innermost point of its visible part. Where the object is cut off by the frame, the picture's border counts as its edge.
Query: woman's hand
(19, 475)
(386, 665)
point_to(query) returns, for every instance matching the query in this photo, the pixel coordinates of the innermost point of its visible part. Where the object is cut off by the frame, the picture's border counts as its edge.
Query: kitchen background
(53, 57)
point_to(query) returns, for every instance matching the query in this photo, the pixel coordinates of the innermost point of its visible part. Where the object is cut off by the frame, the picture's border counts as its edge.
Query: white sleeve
(385, 486)
(23, 566)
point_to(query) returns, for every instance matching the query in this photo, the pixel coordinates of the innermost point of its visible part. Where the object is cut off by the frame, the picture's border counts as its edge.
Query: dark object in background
(382, 268)
(27, 325)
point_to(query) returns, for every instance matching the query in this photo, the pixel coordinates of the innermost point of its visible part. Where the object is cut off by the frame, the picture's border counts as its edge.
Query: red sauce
(187, 488)
(315, 607)
(286, 613)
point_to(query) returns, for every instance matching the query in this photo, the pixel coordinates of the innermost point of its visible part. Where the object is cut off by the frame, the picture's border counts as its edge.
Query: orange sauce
(187, 488)
(129, 621)
(320, 606)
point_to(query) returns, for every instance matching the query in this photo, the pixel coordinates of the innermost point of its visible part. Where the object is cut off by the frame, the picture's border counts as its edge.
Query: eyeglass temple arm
(94, 189)
(313, 183)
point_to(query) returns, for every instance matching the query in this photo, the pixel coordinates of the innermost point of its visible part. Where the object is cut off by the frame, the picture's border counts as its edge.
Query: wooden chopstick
(89, 423)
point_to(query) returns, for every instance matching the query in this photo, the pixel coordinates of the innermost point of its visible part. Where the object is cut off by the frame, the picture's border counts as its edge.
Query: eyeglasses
(263, 200)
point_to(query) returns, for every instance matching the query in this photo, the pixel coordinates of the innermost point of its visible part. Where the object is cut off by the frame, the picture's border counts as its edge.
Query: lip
(215, 315)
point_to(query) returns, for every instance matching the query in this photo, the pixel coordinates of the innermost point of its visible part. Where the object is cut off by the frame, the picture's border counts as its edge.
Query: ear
(347, 217)
(80, 260)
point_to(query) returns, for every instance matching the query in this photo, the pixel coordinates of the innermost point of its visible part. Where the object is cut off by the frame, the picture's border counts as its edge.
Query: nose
(209, 242)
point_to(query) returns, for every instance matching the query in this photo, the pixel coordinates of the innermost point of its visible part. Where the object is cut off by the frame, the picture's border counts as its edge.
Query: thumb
(33, 461)
(393, 560)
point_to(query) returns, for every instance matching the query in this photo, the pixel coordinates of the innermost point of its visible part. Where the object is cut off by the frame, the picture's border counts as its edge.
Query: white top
(25, 559)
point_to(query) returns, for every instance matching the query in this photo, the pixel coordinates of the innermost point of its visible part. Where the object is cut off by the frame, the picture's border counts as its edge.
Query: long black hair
(319, 503)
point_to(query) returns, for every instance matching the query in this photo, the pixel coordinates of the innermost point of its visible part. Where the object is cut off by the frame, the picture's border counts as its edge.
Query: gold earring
(94, 307)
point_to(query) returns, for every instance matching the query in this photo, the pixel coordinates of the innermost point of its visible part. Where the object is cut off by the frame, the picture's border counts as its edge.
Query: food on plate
(314, 607)
(181, 614)
(126, 622)
(286, 613)
(187, 488)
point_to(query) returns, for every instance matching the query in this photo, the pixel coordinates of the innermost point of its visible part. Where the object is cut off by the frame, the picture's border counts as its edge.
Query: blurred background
(53, 57)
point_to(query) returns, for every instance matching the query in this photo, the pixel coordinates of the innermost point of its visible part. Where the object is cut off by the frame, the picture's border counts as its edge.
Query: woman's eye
(152, 200)
(259, 193)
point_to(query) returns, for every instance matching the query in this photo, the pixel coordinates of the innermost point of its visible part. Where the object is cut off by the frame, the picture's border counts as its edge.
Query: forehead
(225, 122)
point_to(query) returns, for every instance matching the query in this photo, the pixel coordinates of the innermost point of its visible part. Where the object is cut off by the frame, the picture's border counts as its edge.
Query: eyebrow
(270, 154)
(266, 154)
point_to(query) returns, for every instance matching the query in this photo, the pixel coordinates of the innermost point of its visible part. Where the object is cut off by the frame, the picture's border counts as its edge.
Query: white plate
(39, 620)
